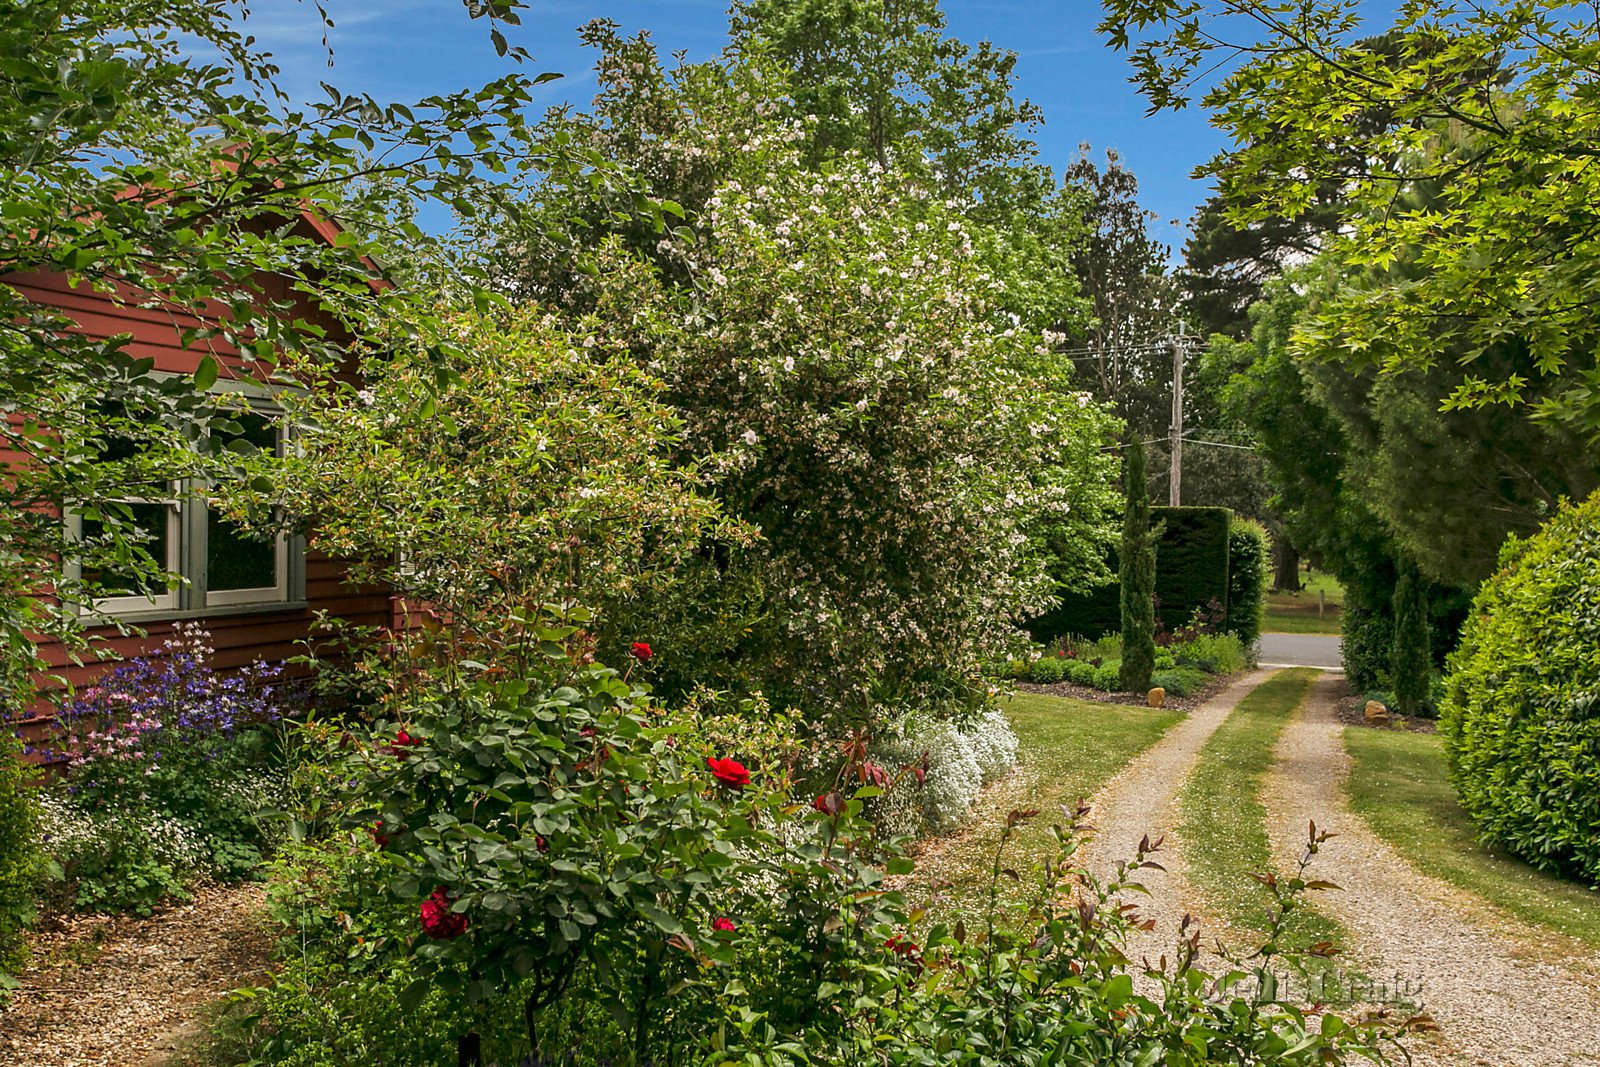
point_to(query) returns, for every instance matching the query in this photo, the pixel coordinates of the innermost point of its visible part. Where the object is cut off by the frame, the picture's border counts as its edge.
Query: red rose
(901, 947)
(723, 926)
(438, 921)
(378, 836)
(641, 650)
(403, 741)
(729, 772)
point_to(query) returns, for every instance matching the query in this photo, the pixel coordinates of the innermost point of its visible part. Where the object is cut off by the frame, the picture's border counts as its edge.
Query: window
(238, 568)
(158, 531)
(224, 568)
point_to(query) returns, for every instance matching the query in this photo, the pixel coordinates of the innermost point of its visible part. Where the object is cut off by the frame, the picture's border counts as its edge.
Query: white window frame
(200, 556)
(188, 548)
(172, 507)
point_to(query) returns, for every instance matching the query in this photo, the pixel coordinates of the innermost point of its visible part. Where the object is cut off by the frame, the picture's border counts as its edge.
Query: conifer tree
(1138, 575)
(1410, 658)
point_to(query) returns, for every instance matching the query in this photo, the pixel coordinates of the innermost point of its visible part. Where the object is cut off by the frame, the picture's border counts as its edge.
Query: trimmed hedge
(1249, 563)
(1191, 570)
(1521, 709)
(1047, 670)
(1192, 561)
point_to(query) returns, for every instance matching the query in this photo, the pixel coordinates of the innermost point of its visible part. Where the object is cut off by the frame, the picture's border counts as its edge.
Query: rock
(1157, 698)
(1377, 714)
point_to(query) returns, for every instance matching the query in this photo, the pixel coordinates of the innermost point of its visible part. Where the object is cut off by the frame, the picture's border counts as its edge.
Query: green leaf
(205, 375)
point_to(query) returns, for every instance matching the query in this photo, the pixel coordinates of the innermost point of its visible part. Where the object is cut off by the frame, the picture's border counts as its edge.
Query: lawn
(1400, 786)
(1224, 829)
(1313, 610)
(1068, 750)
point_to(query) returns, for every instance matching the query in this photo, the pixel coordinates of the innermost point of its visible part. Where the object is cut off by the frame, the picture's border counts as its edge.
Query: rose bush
(558, 838)
(565, 876)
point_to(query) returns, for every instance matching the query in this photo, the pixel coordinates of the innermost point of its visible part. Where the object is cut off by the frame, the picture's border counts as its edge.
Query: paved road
(1301, 650)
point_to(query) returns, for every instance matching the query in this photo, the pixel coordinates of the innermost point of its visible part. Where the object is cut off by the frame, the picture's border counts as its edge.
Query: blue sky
(404, 49)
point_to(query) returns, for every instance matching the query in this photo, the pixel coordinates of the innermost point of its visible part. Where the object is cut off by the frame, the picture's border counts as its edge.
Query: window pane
(117, 442)
(154, 535)
(255, 428)
(235, 560)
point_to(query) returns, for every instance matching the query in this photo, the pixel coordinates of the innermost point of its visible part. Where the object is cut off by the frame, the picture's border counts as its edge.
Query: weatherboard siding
(240, 636)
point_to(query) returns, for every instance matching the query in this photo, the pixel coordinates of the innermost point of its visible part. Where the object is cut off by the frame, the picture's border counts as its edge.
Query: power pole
(1175, 438)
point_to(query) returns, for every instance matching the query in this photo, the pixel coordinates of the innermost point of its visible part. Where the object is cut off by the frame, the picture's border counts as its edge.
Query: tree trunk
(1285, 567)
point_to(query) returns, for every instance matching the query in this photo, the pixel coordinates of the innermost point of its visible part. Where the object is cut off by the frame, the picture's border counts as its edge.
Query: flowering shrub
(896, 441)
(527, 464)
(959, 759)
(167, 777)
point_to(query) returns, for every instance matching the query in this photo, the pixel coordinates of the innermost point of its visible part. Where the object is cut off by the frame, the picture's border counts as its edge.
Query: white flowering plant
(915, 463)
(958, 758)
(523, 461)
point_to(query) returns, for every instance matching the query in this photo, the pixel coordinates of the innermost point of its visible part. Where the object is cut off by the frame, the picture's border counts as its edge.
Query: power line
(1220, 444)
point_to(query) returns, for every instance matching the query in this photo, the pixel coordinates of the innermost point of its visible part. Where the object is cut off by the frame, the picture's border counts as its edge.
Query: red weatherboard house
(257, 599)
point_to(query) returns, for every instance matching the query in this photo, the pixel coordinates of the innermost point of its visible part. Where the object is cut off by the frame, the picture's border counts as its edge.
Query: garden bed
(1352, 711)
(1072, 691)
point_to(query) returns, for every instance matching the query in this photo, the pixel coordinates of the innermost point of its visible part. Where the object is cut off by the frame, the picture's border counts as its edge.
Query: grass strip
(1400, 785)
(1286, 622)
(1068, 749)
(1224, 823)
(1296, 613)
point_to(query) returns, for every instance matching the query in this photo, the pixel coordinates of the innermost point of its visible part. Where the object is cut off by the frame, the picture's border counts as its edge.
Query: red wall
(239, 639)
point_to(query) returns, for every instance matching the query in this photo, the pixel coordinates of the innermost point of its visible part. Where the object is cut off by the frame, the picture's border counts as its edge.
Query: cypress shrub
(1138, 578)
(1410, 658)
(1520, 716)
(1366, 630)
(1249, 556)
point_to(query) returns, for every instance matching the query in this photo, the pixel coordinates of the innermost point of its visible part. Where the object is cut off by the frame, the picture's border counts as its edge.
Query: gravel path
(1497, 1004)
(1143, 800)
(127, 992)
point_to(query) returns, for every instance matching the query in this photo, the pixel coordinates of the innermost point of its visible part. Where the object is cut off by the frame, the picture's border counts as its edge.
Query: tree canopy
(1485, 106)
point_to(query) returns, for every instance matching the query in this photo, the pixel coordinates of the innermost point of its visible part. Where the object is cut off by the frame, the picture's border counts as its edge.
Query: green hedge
(1521, 709)
(1249, 556)
(1191, 570)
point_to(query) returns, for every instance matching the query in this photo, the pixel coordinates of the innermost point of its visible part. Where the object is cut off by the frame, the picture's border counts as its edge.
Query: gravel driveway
(1498, 1003)
(1142, 800)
